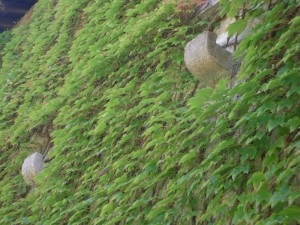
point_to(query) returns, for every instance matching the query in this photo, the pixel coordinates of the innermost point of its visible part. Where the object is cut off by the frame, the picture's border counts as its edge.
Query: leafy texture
(134, 140)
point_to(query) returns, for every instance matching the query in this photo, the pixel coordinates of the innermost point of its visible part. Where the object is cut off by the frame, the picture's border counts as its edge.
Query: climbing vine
(135, 141)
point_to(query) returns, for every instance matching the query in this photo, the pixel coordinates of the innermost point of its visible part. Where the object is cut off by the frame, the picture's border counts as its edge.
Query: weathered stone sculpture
(31, 167)
(206, 60)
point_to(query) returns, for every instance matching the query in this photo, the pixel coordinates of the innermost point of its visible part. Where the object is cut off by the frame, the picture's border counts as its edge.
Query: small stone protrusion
(206, 60)
(31, 167)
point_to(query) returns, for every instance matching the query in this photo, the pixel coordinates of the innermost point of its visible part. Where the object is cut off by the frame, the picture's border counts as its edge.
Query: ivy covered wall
(135, 141)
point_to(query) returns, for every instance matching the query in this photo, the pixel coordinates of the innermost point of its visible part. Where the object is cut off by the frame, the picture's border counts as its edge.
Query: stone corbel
(209, 56)
(207, 60)
(31, 167)
(40, 144)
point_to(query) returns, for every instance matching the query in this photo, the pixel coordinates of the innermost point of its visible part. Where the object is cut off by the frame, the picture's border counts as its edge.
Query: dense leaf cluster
(135, 141)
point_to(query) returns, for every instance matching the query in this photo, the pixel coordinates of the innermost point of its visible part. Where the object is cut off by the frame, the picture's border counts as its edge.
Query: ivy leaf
(100, 128)
(256, 179)
(25, 220)
(263, 195)
(156, 212)
(274, 122)
(270, 160)
(292, 213)
(189, 156)
(107, 208)
(237, 27)
(280, 195)
(294, 123)
(200, 98)
(240, 169)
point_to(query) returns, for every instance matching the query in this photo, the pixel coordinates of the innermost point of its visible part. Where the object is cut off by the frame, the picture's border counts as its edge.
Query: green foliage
(135, 141)
(4, 38)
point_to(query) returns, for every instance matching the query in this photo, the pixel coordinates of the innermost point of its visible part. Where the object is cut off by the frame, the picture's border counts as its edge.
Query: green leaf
(106, 209)
(156, 212)
(291, 213)
(237, 27)
(240, 169)
(256, 179)
(275, 122)
(100, 128)
(189, 156)
(294, 123)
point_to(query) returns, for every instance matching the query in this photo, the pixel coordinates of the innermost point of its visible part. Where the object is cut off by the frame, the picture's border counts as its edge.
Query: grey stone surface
(224, 40)
(31, 167)
(206, 60)
(222, 33)
(208, 10)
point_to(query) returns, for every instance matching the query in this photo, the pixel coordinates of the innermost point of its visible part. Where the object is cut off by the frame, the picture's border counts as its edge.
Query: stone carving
(31, 167)
(206, 60)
